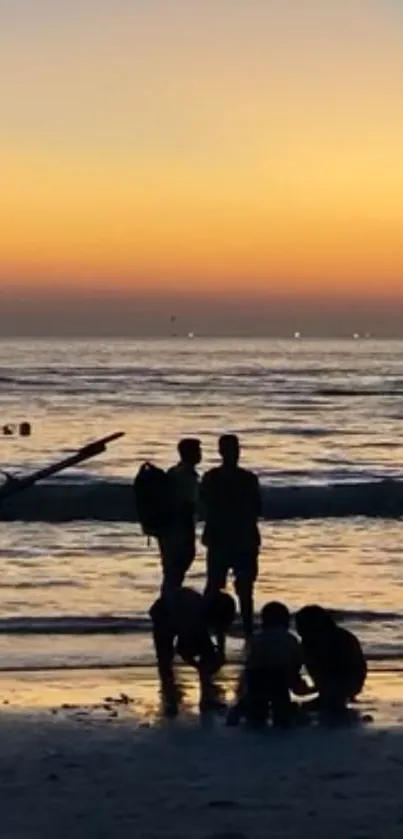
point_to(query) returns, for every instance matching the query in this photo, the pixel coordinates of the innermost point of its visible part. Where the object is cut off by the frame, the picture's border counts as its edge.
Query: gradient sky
(240, 163)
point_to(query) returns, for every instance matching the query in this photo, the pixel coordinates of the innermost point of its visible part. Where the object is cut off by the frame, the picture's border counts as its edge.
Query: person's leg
(211, 694)
(186, 556)
(312, 705)
(244, 590)
(167, 561)
(330, 702)
(256, 704)
(355, 683)
(216, 571)
(280, 699)
(177, 555)
(333, 701)
(266, 691)
(164, 638)
(245, 571)
(238, 710)
(216, 580)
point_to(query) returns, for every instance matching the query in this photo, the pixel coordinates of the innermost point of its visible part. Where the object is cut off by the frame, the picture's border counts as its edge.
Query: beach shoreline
(87, 756)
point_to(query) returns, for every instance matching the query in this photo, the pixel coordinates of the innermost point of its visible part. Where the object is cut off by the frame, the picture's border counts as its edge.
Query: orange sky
(223, 146)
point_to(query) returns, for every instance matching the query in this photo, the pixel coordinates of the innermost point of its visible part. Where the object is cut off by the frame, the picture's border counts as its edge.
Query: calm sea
(307, 413)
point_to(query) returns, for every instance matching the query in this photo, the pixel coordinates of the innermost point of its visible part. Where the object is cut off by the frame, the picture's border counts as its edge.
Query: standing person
(231, 500)
(177, 541)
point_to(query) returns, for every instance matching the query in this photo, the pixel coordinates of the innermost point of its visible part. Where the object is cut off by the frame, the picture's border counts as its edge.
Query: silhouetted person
(272, 669)
(232, 505)
(183, 621)
(333, 658)
(24, 429)
(178, 541)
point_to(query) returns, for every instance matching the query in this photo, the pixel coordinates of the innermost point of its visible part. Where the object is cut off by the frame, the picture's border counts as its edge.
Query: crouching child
(271, 671)
(184, 622)
(334, 661)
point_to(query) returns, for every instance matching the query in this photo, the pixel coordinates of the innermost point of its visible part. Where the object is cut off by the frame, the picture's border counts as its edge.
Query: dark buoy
(25, 429)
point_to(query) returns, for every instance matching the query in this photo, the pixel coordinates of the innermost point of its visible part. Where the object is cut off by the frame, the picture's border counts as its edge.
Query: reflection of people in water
(231, 501)
(272, 669)
(333, 658)
(183, 621)
(178, 542)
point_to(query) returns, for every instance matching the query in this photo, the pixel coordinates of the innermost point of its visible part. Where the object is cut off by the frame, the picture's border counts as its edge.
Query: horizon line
(294, 338)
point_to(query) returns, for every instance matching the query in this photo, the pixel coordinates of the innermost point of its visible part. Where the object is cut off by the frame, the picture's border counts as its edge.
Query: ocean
(75, 593)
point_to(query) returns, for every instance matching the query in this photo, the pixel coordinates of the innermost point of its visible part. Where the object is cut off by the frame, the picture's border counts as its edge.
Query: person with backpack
(167, 508)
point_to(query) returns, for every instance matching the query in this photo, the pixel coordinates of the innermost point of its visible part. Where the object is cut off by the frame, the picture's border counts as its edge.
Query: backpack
(152, 498)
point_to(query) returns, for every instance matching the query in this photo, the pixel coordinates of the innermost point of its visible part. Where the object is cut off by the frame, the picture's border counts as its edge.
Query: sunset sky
(238, 162)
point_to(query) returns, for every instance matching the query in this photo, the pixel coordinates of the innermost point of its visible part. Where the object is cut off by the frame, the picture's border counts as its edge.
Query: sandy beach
(79, 760)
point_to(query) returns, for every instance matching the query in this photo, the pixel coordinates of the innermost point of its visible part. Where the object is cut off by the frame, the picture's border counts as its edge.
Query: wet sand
(86, 755)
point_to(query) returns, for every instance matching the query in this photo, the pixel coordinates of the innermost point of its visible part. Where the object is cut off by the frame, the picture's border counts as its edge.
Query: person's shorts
(243, 564)
(177, 554)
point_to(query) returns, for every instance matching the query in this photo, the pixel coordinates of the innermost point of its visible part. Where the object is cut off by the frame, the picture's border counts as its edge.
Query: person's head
(190, 451)
(313, 622)
(229, 449)
(274, 615)
(219, 611)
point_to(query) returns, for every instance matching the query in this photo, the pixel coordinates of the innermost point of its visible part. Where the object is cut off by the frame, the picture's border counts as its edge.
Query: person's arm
(188, 658)
(211, 658)
(204, 493)
(299, 685)
(257, 498)
(198, 651)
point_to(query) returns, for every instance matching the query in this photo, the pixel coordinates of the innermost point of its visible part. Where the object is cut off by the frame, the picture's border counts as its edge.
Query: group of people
(194, 626)
(230, 500)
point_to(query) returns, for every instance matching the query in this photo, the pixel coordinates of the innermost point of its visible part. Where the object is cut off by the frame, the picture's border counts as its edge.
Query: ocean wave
(113, 501)
(74, 625)
(140, 624)
(41, 584)
(358, 392)
(305, 431)
(377, 444)
(222, 366)
(366, 615)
